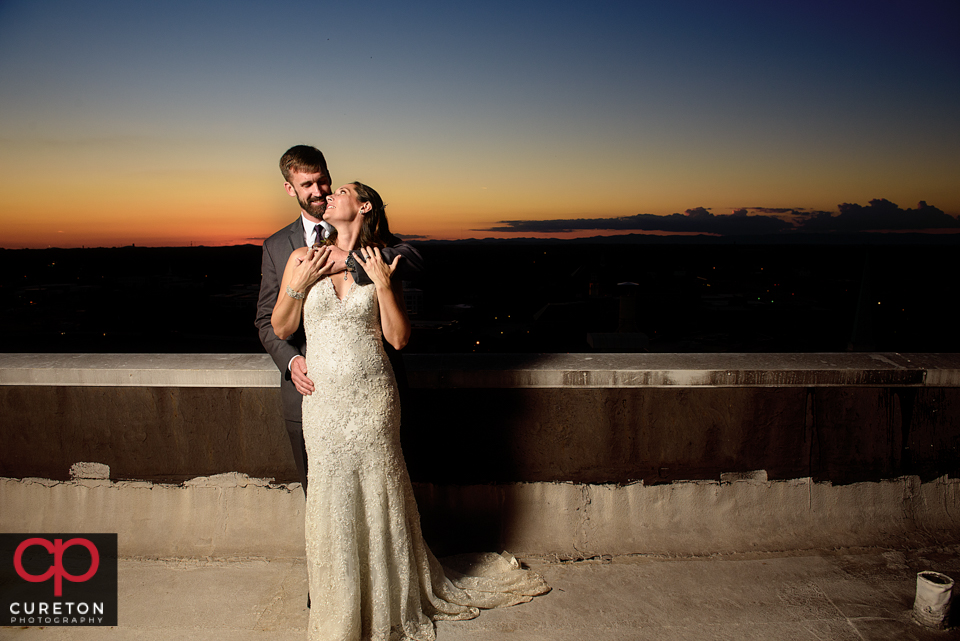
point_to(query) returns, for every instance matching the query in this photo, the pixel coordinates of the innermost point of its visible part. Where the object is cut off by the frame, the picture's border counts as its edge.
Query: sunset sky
(161, 123)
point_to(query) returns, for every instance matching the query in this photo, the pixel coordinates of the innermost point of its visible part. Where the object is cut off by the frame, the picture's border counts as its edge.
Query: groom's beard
(314, 206)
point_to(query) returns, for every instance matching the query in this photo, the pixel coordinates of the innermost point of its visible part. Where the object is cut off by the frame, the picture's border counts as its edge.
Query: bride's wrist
(295, 293)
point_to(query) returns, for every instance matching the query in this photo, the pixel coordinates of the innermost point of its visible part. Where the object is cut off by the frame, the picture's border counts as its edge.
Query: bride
(371, 576)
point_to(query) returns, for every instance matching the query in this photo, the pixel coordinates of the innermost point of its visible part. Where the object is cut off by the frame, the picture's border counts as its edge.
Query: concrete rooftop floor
(862, 594)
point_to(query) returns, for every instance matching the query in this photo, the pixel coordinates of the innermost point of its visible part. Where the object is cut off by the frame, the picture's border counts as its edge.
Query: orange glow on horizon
(214, 237)
(206, 207)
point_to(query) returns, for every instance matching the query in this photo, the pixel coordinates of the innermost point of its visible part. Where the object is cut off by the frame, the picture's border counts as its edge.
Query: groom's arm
(411, 264)
(281, 351)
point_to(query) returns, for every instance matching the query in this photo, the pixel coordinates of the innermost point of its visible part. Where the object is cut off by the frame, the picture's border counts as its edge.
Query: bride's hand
(312, 267)
(379, 271)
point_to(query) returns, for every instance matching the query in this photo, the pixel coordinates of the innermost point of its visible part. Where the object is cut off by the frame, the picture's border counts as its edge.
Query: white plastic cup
(932, 605)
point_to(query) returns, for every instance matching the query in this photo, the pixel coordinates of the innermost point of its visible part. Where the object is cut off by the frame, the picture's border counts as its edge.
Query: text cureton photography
(58, 579)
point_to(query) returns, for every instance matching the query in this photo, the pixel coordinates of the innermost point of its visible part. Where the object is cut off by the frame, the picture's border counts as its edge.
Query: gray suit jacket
(276, 252)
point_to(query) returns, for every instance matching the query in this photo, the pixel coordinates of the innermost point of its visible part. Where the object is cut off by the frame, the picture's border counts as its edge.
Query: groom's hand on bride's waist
(298, 374)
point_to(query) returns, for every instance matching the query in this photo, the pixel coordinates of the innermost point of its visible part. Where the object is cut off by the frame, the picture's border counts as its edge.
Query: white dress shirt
(309, 228)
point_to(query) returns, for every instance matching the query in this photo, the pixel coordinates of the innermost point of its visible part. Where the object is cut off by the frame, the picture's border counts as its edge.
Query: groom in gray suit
(307, 179)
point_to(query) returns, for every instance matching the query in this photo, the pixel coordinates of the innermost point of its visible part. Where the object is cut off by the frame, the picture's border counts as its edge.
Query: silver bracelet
(292, 293)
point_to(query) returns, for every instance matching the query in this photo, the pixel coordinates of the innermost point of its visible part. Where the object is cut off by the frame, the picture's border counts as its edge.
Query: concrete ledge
(682, 370)
(432, 371)
(696, 517)
(842, 434)
(139, 370)
(232, 514)
(222, 515)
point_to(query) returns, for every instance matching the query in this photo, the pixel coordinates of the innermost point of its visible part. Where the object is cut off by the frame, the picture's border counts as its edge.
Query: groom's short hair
(302, 159)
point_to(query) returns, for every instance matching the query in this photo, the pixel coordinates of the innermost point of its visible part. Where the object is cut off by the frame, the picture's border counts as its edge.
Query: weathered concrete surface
(223, 515)
(139, 370)
(703, 517)
(682, 370)
(837, 595)
(604, 418)
(232, 514)
(492, 435)
(841, 435)
(505, 370)
(569, 470)
(143, 432)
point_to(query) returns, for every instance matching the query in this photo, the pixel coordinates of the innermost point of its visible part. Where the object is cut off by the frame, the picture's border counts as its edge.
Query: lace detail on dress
(370, 574)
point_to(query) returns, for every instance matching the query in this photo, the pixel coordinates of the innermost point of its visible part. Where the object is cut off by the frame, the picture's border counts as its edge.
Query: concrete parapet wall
(166, 434)
(572, 454)
(435, 371)
(223, 515)
(698, 517)
(234, 515)
(160, 424)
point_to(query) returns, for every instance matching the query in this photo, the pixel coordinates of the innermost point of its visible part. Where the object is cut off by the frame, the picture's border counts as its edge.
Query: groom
(307, 179)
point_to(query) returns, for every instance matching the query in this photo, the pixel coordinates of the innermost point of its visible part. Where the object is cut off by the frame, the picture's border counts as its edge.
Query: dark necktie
(318, 235)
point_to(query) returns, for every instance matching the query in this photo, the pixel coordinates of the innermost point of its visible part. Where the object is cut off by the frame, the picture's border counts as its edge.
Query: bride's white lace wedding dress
(371, 576)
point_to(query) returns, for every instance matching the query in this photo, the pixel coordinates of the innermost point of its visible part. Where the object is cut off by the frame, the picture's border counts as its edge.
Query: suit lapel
(295, 235)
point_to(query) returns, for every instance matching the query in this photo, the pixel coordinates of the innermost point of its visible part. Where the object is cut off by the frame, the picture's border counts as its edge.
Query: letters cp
(56, 570)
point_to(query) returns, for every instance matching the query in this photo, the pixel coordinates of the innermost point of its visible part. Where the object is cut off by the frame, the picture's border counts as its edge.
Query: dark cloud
(787, 211)
(775, 210)
(697, 220)
(879, 215)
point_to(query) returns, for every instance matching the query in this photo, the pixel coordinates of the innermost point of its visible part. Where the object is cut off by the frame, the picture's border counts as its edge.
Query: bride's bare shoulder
(296, 256)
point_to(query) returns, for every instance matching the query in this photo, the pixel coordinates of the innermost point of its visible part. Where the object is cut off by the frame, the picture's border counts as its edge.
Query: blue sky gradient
(161, 123)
